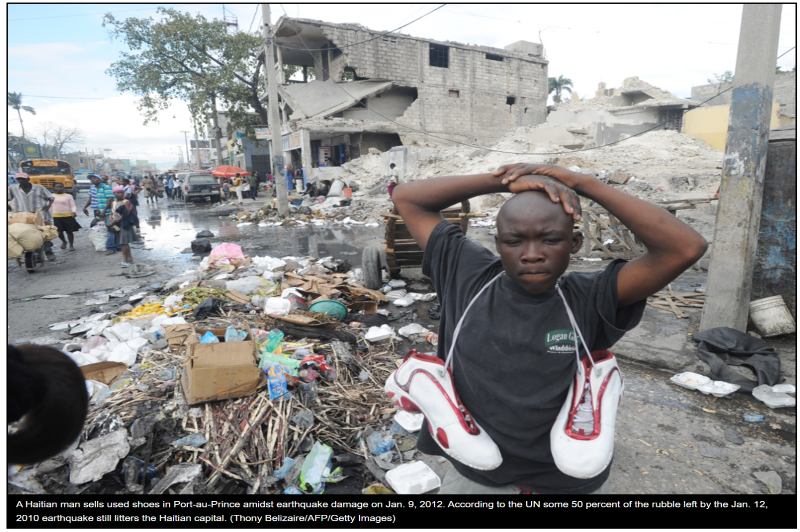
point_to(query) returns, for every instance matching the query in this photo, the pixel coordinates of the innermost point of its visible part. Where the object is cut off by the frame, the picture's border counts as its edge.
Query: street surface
(668, 439)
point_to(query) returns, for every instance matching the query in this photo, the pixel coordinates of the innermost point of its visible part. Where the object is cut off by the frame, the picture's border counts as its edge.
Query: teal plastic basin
(331, 308)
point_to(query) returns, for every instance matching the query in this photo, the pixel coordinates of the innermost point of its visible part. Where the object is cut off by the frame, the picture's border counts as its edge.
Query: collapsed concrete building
(612, 114)
(381, 91)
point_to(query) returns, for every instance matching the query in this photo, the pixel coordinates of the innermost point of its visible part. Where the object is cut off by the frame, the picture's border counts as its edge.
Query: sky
(62, 50)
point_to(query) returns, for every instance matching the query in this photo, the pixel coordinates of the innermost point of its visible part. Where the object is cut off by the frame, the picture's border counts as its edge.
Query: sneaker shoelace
(583, 421)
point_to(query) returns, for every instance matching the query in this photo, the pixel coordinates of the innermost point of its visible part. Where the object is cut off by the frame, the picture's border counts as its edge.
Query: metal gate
(261, 164)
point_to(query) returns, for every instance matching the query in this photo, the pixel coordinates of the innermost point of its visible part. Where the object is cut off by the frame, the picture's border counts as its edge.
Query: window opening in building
(324, 66)
(391, 40)
(440, 55)
(671, 118)
(494, 57)
(453, 94)
(335, 52)
(510, 100)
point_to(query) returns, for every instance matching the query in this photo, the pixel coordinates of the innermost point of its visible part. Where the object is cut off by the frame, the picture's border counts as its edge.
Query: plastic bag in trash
(201, 246)
(246, 285)
(209, 338)
(315, 467)
(210, 305)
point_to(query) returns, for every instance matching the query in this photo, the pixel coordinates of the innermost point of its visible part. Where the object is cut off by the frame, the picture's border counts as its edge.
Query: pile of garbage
(305, 350)
(315, 212)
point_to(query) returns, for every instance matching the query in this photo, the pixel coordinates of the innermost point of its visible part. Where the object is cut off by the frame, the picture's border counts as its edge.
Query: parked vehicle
(200, 186)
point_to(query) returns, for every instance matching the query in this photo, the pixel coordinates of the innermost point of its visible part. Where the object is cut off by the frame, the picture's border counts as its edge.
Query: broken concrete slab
(770, 479)
(619, 178)
(177, 474)
(94, 458)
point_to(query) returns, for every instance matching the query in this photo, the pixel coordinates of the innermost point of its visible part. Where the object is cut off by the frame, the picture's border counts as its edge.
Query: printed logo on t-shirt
(560, 341)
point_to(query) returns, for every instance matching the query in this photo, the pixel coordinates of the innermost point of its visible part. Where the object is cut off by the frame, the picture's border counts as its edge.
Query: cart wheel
(371, 265)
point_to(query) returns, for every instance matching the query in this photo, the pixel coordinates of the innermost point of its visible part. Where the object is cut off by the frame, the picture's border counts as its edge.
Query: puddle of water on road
(169, 229)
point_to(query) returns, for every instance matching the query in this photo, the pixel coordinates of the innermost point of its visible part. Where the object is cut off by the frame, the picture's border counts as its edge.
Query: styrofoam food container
(409, 421)
(690, 380)
(718, 388)
(771, 398)
(414, 478)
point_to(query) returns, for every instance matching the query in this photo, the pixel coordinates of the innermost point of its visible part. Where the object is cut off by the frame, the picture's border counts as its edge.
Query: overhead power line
(305, 47)
(327, 72)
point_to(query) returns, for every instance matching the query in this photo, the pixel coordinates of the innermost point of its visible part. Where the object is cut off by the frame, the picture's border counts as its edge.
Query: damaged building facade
(613, 114)
(369, 85)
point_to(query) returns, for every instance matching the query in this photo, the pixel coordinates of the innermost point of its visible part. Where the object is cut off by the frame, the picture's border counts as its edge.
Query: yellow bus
(48, 172)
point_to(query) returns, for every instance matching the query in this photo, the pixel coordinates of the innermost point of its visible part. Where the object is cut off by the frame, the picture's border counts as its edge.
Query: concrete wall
(480, 113)
(711, 123)
(784, 92)
(391, 104)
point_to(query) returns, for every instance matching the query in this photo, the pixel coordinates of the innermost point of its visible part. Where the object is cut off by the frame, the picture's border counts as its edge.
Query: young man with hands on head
(517, 333)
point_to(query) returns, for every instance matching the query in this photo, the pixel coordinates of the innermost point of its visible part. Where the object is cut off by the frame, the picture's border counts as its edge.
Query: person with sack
(149, 190)
(27, 197)
(64, 212)
(123, 220)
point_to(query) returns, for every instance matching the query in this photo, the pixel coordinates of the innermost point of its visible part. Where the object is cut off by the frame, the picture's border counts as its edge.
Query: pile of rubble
(308, 348)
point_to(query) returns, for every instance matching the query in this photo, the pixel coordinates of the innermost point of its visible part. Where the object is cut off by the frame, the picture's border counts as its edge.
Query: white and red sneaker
(582, 438)
(424, 384)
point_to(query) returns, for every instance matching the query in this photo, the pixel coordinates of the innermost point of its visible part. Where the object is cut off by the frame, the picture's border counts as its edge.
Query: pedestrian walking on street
(171, 187)
(178, 188)
(64, 212)
(237, 183)
(149, 190)
(26, 197)
(105, 200)
(91, 202)
(124, 220)
(131, 195)
(397, 178)
(253, 181)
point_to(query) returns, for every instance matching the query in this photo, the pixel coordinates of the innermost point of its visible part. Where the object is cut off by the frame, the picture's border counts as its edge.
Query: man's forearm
(655, 227)
(438, 193)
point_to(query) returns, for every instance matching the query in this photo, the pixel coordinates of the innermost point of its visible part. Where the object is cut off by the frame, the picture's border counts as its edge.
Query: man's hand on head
(558, 191)
(512, 172)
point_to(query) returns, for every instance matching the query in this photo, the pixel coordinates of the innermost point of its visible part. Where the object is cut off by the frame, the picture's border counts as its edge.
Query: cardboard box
(178, 334)
(105, 372)
(223, 370)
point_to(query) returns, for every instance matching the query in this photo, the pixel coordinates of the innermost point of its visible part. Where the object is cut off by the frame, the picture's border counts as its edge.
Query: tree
(14, 146)
(193, 59)
(556, 85)
(57, 138)
(15, 102)
(725, 77)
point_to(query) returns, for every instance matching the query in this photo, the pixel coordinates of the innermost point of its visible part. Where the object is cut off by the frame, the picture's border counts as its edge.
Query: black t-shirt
(515, 357)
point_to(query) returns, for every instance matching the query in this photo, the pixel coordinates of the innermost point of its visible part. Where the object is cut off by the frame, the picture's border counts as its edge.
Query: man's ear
(577, 242)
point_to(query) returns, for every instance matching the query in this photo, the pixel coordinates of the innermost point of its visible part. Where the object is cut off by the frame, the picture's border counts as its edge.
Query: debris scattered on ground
(321, 385)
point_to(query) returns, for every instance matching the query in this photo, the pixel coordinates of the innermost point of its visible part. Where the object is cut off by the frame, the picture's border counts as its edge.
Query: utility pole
(216, 128)
(276, 147)
(730, 272)
(188, 156)
(196, 142)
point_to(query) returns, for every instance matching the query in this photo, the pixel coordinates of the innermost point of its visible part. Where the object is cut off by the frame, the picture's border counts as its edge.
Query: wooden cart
(402, 250)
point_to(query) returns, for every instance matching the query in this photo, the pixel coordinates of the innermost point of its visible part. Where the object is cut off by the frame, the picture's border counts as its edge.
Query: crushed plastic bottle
(363, 376)
(753, 418)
